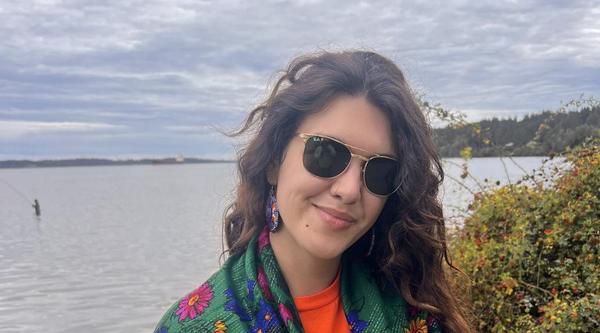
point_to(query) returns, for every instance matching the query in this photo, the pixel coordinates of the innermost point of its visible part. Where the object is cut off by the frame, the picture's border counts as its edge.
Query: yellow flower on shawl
(220, 327)
(417, 326)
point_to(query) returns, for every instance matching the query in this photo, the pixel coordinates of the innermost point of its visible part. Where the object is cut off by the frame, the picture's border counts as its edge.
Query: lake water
(115, 246)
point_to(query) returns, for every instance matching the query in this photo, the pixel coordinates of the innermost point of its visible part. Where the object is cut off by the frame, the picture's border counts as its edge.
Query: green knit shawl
(249, 294)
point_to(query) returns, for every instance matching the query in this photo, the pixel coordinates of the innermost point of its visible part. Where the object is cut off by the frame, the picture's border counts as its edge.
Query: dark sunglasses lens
(381, 175)
(324, 157)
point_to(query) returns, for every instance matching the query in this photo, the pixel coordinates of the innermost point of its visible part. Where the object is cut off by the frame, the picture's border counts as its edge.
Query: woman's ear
(272, 173)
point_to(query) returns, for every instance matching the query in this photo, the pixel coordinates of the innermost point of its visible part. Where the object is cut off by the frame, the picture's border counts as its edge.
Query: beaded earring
(272, 211)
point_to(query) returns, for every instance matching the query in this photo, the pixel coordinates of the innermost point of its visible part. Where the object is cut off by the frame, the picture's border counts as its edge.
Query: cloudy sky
(133, 78)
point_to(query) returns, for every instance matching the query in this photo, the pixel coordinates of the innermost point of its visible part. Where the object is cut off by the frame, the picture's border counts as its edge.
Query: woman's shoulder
(202, 309)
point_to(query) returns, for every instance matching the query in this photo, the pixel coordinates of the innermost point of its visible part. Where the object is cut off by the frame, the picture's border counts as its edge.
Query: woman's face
(324, 217)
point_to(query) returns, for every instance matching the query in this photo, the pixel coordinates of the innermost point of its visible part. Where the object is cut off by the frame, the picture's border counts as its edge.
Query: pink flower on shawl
(285, 313)
(264, 284)
(195, 302)
(263, 239)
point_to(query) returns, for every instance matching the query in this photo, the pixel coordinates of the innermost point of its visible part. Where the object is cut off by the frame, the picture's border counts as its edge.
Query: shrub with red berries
(532, 252)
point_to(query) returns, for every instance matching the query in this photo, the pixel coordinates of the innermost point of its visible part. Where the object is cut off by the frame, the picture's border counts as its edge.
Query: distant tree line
(540, 134)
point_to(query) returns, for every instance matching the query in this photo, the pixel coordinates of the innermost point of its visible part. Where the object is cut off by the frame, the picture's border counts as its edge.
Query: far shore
(82, 162)
(104, 162)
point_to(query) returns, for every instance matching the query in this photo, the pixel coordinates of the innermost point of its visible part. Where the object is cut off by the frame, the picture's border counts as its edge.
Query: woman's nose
(348, 185)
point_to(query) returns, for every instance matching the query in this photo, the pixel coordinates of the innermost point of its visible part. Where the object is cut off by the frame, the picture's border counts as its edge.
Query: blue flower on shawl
(250, 285)
(356, 324)
(233, 306)
(162, 329)
(266, 318)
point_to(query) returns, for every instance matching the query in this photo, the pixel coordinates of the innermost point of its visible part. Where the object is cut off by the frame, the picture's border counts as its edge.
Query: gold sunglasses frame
(306, 136)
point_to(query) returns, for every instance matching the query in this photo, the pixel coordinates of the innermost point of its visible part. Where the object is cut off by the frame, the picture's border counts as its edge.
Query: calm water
(115, 246)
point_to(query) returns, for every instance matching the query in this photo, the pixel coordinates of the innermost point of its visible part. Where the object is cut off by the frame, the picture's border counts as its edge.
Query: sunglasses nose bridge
(348, 184)
(360, 157)
(364, 161)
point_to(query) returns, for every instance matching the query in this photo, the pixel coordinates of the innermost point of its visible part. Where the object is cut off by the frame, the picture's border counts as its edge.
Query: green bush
(532, 252)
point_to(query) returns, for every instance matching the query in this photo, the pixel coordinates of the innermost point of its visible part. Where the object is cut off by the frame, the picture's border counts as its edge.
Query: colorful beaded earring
(272, 211)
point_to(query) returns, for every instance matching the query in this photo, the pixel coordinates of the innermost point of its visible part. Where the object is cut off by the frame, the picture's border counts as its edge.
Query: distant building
(170, 160)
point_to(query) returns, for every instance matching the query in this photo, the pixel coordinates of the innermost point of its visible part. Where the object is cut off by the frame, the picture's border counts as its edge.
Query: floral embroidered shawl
(249, 294)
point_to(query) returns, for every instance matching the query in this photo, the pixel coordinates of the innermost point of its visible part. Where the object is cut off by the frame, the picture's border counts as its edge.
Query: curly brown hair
(414, 256)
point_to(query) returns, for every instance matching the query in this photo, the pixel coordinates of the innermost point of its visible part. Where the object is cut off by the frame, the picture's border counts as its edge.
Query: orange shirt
(323, 311)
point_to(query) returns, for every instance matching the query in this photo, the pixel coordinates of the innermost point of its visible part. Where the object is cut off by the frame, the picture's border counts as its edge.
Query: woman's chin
(327, 251)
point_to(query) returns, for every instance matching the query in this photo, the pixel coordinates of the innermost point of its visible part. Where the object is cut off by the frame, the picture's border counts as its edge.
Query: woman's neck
(304, 273)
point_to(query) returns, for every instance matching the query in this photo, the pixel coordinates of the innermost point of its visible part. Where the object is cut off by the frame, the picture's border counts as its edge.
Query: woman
(336, 226)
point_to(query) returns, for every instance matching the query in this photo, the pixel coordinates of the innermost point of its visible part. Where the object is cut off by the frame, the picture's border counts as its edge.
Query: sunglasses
(326, 157)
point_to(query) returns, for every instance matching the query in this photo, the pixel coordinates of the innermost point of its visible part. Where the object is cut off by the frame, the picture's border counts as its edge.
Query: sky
(157, 78)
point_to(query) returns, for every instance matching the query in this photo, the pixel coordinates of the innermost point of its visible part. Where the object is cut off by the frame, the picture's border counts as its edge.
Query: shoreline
(80, 162)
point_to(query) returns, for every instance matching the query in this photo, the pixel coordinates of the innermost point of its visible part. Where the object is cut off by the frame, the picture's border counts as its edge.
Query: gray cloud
(168, 70)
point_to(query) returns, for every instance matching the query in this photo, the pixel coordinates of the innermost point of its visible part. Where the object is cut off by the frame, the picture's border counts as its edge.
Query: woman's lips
(335, 218)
